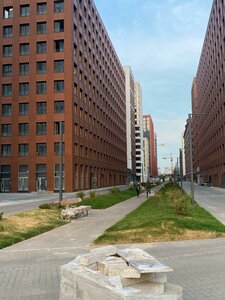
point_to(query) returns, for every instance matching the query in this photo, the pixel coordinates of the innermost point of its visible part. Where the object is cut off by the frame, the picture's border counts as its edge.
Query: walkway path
(30, 270)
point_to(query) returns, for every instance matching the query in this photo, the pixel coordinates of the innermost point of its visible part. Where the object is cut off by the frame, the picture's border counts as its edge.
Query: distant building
(208, 105)
(149, 138)
(58, 64)
(139, 132)
(130, 124)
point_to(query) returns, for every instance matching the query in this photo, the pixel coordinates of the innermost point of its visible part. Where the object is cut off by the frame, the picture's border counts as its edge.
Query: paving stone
(107, 250)
(142, 261)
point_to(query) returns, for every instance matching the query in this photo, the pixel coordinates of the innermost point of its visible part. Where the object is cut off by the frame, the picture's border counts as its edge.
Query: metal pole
(60, 160)
(191, 160)
(181, 169)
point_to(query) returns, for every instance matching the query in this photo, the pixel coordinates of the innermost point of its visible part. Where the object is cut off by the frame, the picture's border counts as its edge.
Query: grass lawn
(14, 229)
(105, 201)
(156, 220)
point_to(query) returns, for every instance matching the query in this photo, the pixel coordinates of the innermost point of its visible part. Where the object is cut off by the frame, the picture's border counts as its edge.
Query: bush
(1, 215)
(182, 205)
(45, 206)
(92, 194)
(114, 190)
(81, 195)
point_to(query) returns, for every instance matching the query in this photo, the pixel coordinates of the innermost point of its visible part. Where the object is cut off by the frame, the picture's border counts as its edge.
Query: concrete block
(142, 261)
(83, 279)
(124, 272)
(157, 277)
(107, 250)
(89, 259)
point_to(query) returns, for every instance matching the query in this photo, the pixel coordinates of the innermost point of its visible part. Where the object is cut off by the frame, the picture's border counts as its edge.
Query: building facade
(149, 138)
(139, 132)
(208, 104)
(59, 65)
(130, 124)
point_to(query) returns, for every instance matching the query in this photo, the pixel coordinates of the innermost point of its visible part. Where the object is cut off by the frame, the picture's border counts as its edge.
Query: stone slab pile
(108, 273)
(75, 212)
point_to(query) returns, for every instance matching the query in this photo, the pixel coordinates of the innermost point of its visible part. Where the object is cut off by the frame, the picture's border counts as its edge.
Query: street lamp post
(191, 155)
(191, 160)
(171, 160)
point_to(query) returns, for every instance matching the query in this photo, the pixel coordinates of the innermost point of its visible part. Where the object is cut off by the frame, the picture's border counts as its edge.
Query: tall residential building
(208, 105)
(139, 132)
(130, 124)
(149, 134)
(58, 64)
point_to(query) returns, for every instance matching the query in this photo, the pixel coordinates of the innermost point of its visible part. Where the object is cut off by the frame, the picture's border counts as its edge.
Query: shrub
(182, 205)
(45, 206)
(92, 194)
(81, 195)
(114, 190)
(1, 215)
(174, 195)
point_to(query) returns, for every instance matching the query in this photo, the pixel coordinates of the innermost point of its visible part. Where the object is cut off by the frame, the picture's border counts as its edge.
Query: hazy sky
(161, 40)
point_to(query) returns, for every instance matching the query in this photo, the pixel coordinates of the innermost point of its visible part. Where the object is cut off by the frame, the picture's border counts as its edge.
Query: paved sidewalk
(30, 270)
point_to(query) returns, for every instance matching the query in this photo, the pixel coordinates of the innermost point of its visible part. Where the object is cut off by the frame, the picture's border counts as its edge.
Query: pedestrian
(137, 189)
(148, 189)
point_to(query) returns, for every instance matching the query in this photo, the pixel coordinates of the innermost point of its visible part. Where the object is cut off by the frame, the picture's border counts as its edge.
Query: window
(59, 26)
(23, 129)
(23, 109)
(6, 110)
(6, 150)
(7, 70)
(24, 69)
(7, 50)
(23, 149)
(24, 10)
(6, 129)
(24, 49)
(41, 8)
(8, 12)
(41, 27)
(24, 29)
(7, 31)
(41, 47)
(41, 149)
(41, 67)
(59, 45)
(41, 108)
(41, 128)
(57, 127)
(7, 89)
(59, 65)
(57, 148)
(41, 87)
(59, 86)
(59, 106)
(24, 88)
(59, 6)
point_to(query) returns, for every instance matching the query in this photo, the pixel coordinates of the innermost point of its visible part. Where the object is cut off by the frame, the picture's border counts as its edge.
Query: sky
(161, 40)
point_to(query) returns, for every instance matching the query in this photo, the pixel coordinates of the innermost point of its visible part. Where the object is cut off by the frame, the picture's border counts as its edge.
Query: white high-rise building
(139, 132)
(130, 124)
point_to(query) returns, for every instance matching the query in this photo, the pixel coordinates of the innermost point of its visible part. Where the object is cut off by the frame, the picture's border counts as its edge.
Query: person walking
(148, 189)
(138, 188)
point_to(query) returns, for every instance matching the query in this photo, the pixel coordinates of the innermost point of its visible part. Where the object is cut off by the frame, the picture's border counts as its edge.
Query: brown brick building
(208, 97)
(58, 64)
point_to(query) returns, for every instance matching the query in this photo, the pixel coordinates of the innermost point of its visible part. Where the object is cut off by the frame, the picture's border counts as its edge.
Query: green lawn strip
(156, 220)
(14, 229)
(105, 201)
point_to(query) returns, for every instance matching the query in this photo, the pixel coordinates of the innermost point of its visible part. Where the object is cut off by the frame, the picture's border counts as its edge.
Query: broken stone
(142, 261)
(107, 250)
